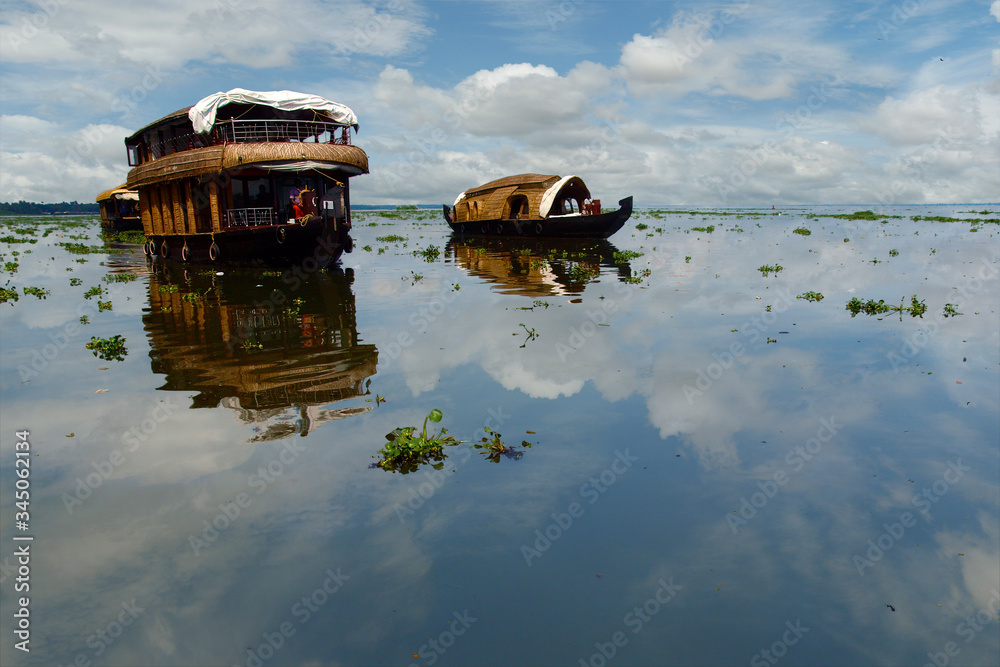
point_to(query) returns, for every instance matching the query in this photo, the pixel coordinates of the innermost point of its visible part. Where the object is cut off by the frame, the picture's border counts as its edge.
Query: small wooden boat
(535, 205)
(119, 209)
(248, 177)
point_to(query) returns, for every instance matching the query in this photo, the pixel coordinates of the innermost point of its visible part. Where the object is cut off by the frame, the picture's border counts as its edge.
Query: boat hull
(317, 242)
(599, 226)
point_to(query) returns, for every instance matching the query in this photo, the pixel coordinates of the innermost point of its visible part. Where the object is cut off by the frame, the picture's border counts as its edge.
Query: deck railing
(248, 131)
(250, 217)
(243, 131)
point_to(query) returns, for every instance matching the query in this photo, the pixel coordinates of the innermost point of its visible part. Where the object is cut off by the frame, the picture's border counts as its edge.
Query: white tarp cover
(202, 114)
(549, 198)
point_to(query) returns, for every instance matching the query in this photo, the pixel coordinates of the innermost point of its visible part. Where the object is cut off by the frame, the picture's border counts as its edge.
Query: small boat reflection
(536, 267)
(249, 342)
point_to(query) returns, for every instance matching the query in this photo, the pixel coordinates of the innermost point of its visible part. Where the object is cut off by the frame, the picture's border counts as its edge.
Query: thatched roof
(493, 200)
(215, 159)
(525, 180)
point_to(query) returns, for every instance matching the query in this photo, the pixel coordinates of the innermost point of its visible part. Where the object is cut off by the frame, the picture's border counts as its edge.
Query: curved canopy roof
(567, 186)
(203, 113)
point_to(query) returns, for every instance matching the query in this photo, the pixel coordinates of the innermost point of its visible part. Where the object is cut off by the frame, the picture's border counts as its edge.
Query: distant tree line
(31, 208)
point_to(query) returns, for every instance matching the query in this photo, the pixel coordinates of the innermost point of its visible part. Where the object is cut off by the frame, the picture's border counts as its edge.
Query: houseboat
(535, 205)
(119, 209)
(248, 177)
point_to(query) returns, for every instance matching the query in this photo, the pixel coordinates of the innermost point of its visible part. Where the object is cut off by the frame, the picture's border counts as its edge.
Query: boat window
(569, 206)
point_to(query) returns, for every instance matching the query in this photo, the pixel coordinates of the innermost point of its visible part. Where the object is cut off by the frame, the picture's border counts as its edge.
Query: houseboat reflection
(247, 341)
(536, 267)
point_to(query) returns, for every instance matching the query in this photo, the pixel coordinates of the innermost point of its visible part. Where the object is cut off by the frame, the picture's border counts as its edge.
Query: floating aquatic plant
(405, 449)
(493, 447)
(108, 349)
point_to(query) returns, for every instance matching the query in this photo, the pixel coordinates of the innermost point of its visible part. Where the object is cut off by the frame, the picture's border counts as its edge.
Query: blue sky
(676, 103)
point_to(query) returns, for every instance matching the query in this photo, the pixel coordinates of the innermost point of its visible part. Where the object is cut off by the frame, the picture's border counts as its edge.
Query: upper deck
(239, 117)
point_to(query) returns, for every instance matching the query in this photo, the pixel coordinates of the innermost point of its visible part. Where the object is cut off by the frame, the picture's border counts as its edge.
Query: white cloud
(235, 32)
(995, 9)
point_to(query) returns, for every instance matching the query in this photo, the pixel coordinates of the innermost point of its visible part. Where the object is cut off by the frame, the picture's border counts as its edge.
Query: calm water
(718, 468)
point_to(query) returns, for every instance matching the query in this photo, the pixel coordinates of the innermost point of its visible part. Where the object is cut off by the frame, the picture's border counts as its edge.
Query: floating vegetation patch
(859, 215)
(768, 269)
(638, 277)
(942, 218)
(15, 239)
(951, 310)
(802, 231)
(119, 278)
(136, 236)
(169, 289)
(406, 450)
(82, 249)
(391, 238)
(36, 291)
(430, 253)
(916, 308)
(11, 267)
(622, 256)
(108, 349)
(641, 226)
(75, 282)
(96, 290)
(810, 296)
(893, 253)
(580, 273)
(8, 294)
(707, 230)
(493, 447)
(103, 305)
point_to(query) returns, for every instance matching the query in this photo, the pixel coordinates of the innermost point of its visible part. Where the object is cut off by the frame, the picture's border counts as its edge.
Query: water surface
(718, 468)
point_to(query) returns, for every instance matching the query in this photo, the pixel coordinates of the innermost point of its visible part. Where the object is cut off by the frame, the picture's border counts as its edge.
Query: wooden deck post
(213, 198)
(180, 224)
(154, 209)
(147, 219)
(189, 199)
